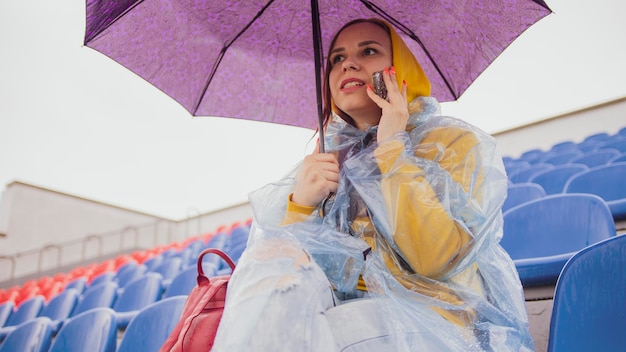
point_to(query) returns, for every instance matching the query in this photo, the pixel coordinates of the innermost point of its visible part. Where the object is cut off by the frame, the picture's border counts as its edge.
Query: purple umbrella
(262, 60)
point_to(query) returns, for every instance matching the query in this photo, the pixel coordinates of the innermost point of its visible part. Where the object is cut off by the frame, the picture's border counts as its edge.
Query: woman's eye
(336, 59)
(369, 51)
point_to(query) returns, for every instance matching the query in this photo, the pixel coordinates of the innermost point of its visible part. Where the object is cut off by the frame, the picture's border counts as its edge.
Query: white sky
(75, 121)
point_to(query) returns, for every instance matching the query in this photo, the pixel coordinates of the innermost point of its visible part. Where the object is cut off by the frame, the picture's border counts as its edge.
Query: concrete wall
(43, 230)
(574, 126)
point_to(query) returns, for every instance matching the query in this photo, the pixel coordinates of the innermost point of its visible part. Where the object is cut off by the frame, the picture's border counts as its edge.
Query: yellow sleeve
(296, 212)
(428, 238)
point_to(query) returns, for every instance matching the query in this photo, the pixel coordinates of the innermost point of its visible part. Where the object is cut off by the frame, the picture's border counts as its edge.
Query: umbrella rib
(223, 52)
(374, 8)
(94, 35)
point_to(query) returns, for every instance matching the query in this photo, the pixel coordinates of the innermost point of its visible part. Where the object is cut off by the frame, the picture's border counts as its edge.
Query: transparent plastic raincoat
(412, 232)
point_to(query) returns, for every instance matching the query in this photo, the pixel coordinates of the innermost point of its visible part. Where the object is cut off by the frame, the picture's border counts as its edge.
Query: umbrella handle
(317, 57)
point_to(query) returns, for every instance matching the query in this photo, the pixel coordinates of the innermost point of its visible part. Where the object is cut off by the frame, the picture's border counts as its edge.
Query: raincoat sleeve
(296, 212)
(423, 228)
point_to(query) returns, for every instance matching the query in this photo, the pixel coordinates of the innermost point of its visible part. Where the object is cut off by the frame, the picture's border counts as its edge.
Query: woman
(387, 242)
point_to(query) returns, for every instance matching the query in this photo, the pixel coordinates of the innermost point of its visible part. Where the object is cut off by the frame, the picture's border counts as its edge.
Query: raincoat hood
(407, 67)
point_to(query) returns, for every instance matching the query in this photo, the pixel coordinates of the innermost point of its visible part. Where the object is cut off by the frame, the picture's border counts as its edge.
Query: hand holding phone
(379, 85)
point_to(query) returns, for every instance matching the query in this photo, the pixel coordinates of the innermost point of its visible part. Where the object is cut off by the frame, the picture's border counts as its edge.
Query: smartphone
(379, 85)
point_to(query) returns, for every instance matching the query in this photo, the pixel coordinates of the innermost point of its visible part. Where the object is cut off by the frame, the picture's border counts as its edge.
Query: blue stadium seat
(567, 145)
(153, 262)
(129, 272)
(618, 144)
(136, 295)
(78, 284)
(514, 166)
(607, 181)
(98, 296)
(34, 335)
(588, 146)
(152, 325)
(519, 193)
(214, 262)
(588, 312)
(541, 235)
(553, 180)
(619, 159)
(532, 156)
(184, 282)
(601, 136)
(185, 254)
(522, 176)
(597, 157)
(104, 277)
(60, 307)
(217, 241)
(26, 311)
(236, 244)
(195, 248)
(168, 269)
(6, 309)
(94, 331)
(560, 157)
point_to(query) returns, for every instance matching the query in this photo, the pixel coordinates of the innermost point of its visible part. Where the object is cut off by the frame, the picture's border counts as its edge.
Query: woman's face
(360, 50)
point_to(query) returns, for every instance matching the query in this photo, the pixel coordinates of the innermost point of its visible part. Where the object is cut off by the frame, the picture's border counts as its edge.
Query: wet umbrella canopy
(255, 59)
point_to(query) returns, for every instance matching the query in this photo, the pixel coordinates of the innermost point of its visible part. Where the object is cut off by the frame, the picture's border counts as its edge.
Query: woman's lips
(351, 84)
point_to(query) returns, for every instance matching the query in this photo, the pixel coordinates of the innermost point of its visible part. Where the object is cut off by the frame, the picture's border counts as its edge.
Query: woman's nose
(350, 65)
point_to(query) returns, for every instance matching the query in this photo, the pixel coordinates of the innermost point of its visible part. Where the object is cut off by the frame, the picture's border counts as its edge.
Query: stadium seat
(6, 309)
(79, 284)
(168, 269)
(34, 335)
(136, 295)
(9, 294)
(541, 235)
(28, 310)
(524, 175)
(560, 157)
(521, 193)
(103, 277)
(129, 272)
(98, 296)
(601, 136)
(210, 262)
(152, 325)
(60, 307)
(94, 331)
(153, 262)
(617, 144)
(532, 156)
(567, 145)
(514, 166)
(217, 241)
(553, 180)
(619, 159)
(589, 146)
(597, 157)
(607, 181)
(195, 248)
(236, 244)
(184, 282)
(588, 311)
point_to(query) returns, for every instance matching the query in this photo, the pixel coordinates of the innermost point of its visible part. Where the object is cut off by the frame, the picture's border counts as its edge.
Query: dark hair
(328, 110)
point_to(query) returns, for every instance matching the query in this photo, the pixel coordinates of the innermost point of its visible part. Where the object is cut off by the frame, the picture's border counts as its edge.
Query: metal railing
(53, 257)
